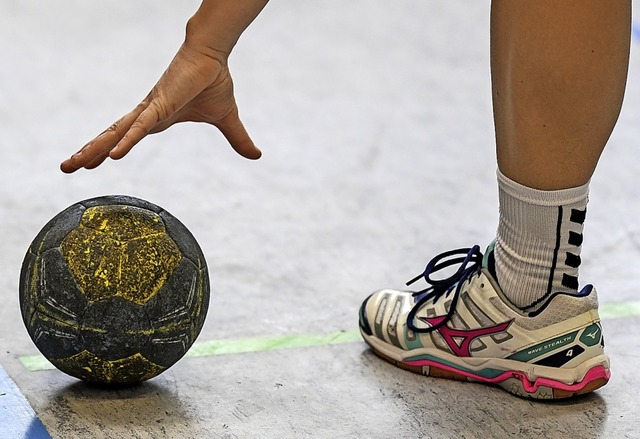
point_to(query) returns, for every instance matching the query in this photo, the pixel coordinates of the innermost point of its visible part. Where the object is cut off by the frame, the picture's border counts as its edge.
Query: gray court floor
(374, 118)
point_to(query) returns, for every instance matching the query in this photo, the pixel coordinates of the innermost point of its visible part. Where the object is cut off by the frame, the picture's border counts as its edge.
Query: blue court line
(17, 418)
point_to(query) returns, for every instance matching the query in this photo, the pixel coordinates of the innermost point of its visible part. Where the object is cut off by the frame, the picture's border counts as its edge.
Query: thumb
(234, 131)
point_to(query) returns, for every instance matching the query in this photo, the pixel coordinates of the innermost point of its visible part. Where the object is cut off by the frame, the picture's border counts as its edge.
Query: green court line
(618, 310)
(210, 348)
(221, 347)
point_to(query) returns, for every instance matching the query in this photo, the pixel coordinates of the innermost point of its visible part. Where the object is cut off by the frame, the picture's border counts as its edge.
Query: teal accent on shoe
(545, 347)
(591, 335)
(411, 339)
(485, 373)
(487, 252)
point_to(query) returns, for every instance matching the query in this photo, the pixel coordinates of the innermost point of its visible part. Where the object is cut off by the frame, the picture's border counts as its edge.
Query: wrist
(218, 24)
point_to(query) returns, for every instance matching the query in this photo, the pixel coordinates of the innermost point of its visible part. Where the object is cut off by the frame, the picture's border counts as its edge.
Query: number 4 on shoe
(463, 327)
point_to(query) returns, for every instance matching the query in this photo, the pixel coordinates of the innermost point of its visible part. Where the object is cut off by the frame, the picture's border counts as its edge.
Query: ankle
(538, 243)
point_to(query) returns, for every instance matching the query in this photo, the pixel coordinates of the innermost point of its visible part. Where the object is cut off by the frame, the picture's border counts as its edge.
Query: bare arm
(196, 86)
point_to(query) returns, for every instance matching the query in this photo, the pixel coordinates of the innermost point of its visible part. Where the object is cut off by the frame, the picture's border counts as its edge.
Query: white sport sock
(537, 249)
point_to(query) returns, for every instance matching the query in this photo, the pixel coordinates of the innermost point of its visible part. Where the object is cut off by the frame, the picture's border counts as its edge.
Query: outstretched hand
(196, 87)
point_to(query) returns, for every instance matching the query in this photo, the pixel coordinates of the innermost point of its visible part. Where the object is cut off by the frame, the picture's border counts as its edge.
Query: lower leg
(559, 70)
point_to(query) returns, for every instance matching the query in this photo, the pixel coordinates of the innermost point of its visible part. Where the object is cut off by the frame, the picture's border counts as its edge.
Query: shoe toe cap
(364, 321)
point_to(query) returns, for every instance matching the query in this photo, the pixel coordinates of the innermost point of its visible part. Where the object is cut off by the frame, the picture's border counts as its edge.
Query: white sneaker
(463, 328)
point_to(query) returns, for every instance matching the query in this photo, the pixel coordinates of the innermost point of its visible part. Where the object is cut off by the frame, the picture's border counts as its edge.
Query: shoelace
(470, 263)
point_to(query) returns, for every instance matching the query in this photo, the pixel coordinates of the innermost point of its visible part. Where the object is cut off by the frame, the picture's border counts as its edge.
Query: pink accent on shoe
(462, 350)
(593, 374)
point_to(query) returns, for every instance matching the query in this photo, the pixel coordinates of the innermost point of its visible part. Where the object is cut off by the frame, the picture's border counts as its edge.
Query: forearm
(218, 24)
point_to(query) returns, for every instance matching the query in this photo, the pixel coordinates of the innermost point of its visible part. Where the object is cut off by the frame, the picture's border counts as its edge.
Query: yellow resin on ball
(125, 370)
(120, 251)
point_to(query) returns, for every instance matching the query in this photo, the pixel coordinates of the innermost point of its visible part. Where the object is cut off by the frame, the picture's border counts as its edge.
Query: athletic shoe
(462, 327)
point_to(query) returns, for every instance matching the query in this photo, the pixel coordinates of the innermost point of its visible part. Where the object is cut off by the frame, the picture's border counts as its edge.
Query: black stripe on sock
(555, 252)
(572, 260)
(570, 281)
(575, 239)
(578, 216)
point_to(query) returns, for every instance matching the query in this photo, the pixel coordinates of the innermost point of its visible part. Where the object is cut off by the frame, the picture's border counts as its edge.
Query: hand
(196, 87)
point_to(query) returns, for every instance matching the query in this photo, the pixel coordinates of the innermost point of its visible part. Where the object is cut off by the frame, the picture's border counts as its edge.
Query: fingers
(165, 106)
(236, 134)
(138, 131)
(115, 142)
(96, 161)
(97, 150)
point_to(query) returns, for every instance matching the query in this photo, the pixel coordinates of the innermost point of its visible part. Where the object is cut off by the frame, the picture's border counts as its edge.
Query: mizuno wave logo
(466, 336)
(593, 334)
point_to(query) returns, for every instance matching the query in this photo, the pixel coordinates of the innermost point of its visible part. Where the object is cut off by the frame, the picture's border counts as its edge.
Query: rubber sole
(515, 382)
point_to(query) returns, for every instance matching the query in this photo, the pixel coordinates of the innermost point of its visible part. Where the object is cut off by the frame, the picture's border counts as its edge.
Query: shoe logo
(466, 336)
(593, 334)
